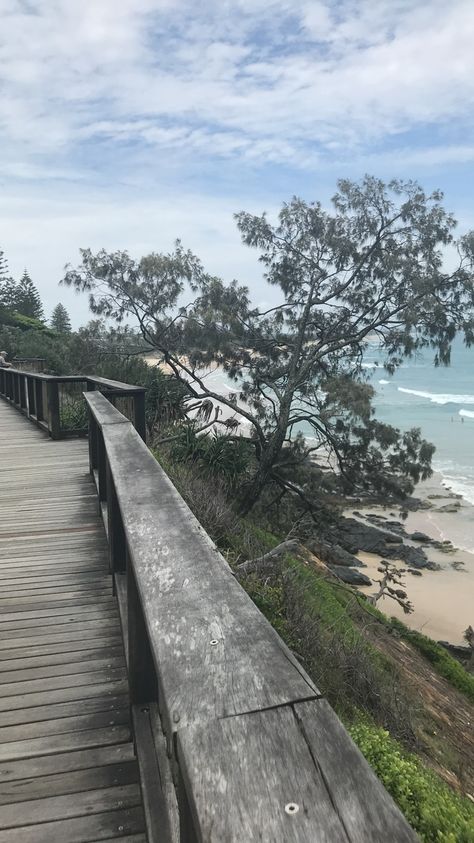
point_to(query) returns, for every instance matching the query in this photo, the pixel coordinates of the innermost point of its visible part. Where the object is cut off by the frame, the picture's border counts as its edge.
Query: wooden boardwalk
(67, 766)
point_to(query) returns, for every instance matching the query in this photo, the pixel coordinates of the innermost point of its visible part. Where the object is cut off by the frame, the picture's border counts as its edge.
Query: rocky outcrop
(350, 575)
(418, 536)
(354, 536)
(333, 554)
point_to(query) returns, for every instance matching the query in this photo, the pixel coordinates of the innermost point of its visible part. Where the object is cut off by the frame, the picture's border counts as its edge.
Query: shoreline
(443, 600)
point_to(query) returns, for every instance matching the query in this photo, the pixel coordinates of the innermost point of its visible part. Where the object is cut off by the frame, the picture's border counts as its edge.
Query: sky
(125, 124)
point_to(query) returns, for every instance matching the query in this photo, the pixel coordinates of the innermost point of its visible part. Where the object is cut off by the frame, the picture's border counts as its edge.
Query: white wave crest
(439, 397)
(383, 382)
(467, 413)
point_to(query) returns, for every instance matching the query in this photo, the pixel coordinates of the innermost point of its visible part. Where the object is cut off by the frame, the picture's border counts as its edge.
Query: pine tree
(3, 266)
(28, 298)
(60, 320)
(8, 288)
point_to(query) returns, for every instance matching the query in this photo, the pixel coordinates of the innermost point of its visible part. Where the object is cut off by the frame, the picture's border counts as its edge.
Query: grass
(436, 813)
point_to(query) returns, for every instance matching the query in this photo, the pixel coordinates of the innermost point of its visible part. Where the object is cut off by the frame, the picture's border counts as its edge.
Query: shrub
(436, 813)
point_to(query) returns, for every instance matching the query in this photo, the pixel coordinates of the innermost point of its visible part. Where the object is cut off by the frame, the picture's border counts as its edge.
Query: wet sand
(443, 600)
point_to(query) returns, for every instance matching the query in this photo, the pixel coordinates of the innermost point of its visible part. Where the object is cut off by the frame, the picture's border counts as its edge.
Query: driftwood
(270, 562)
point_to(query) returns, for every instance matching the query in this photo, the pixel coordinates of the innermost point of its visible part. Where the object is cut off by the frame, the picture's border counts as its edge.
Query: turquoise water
(439, 401)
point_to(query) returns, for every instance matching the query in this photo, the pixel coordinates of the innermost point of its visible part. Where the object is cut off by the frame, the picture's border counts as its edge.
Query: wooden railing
(234, 741)
(56, 404)
(29, 364)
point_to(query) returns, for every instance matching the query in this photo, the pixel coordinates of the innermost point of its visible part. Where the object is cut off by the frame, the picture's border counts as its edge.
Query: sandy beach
(443, 600)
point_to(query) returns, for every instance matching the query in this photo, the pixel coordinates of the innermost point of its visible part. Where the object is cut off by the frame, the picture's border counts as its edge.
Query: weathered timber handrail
(234, 741)
(29, 364)
(44, 399)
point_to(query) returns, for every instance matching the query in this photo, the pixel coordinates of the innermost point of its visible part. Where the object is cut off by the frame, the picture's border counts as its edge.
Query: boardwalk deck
(67, 765)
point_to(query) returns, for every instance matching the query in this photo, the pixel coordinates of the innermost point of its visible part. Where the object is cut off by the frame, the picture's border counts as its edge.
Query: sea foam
(467, 413)
(439, 397)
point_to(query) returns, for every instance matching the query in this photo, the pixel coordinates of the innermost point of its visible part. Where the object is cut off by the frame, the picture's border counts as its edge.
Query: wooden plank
(96, 685)
(61, 725)
(45, 597)
(104, 412)
(248, 800)
(66, 762)
(34, 714)
(230, 658)
(68, 742)
(28, 688)
(154, 805)
(94, 621)
(368, 819)
(98, 632)
(75, 782)
(113, 824)
(32, 675)
(50, 808)
(59, 651)
(49, 580)
(70, 608)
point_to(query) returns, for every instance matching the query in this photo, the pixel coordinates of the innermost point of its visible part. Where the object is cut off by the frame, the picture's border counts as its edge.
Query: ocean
(438, 400)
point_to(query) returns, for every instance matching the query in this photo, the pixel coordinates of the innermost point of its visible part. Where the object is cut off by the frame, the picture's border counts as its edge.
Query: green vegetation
(436, 813)
(60, 321)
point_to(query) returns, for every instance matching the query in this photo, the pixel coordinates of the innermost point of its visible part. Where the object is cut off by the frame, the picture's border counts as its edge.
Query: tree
(371, 267)
(7, 285)
(28, 301)
(3, 266)
(60, 321)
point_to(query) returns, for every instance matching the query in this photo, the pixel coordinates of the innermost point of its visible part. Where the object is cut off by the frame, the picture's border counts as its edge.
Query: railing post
(93, 447)
(30, 390)
(53, 409)
(22, 385)
(116, 534)
(38, 388)
(141, 671)
(101, 467)
(139, 411)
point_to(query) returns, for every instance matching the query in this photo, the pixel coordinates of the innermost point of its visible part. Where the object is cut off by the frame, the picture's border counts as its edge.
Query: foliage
(73, 411)
(371, 266)
(3, 268)
(18, 320)
(27, 298)
(60, 321)
(218, 455)
(436, 813)
(207, 497)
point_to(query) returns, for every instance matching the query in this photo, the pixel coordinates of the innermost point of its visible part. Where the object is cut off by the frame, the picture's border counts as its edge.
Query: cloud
(127, 124)
(285, 77)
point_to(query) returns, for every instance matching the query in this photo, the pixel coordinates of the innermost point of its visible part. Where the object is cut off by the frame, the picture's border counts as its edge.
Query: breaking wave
(439, 397)
(467, 413)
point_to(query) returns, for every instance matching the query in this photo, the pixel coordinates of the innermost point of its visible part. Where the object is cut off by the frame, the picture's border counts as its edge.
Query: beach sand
(443, 600)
